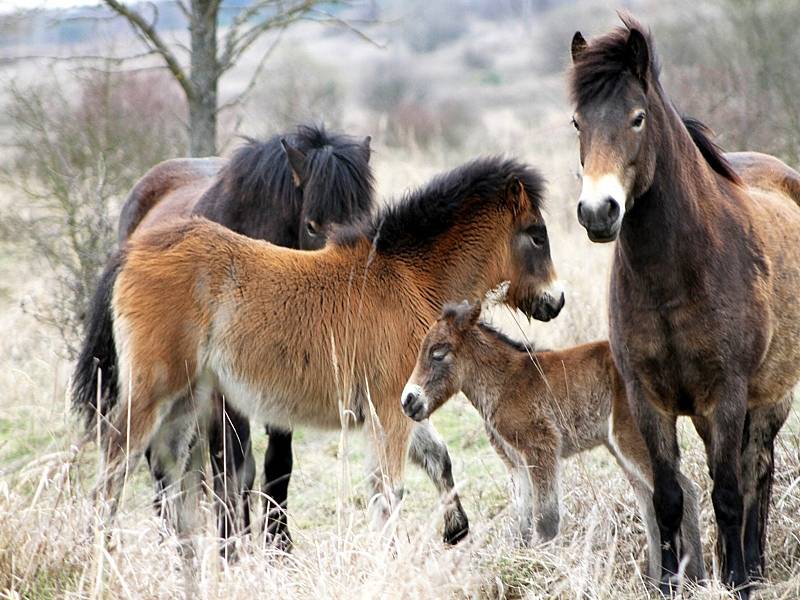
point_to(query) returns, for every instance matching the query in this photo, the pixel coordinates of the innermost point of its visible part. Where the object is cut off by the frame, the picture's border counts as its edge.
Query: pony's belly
(279, 407)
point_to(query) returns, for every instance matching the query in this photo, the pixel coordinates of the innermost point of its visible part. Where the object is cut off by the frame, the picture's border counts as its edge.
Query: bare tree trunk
(204, 76)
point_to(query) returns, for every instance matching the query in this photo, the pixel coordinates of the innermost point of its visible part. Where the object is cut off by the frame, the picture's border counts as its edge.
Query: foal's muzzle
(601, 220)
(414, 402)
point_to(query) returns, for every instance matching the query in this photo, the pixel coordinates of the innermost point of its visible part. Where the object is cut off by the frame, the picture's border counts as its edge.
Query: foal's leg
(762, 425)
(233, 471)
(429, 451)
(658, 431)
(540, 449)
(278, 461)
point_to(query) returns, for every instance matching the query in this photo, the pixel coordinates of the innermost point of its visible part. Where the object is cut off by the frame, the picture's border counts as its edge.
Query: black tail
(98, 352)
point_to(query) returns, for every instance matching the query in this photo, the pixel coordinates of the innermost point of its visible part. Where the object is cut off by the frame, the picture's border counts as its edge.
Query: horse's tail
(98, 353)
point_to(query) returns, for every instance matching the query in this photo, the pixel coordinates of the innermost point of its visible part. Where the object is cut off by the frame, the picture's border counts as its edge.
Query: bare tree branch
(240, 97)
(151, 37)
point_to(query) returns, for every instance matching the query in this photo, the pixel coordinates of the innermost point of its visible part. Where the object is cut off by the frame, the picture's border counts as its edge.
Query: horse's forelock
(600, 68)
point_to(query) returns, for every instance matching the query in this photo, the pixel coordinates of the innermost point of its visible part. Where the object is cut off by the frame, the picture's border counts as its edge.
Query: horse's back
(169, 189)
(774, 188)
(766, 172)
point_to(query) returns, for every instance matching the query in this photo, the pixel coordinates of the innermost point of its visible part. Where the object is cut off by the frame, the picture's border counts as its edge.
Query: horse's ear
(297, 161)
(516, 195)
(638, 54)
(464, 315)
(365, 146)
(578, 46)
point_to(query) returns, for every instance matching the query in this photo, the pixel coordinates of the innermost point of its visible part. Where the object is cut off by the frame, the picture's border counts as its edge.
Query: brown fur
(540, 408)
(320, 338)
(704, 303)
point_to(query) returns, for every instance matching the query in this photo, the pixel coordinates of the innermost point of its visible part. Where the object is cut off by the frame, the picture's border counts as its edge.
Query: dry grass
(47, 548)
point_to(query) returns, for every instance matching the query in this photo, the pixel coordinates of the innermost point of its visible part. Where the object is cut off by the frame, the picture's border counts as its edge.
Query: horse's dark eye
(638, 120)
(575, 125)
(538, 240)
(312, 227)
(537, 236)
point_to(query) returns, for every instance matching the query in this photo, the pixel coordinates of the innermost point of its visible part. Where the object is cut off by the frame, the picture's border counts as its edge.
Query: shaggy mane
(428, 212)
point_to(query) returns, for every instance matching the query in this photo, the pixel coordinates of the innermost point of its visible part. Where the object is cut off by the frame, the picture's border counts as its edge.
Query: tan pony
(540, 408)
(321, 338)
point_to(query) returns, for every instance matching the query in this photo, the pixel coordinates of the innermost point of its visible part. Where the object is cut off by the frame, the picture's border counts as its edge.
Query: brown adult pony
(704, 303)
(322, 338)
(288, 190)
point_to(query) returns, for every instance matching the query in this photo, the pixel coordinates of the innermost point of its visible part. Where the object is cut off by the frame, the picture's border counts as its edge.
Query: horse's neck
(455, 270)
(674, 211)
(488, 369)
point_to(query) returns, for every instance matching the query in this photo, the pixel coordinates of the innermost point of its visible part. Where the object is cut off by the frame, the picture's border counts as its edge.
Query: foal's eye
(438, 354)
(575, 125)
(638, 121)
(312, 227)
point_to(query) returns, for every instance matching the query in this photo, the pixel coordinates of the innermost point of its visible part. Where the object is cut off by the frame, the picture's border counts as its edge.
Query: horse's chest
(676, 362)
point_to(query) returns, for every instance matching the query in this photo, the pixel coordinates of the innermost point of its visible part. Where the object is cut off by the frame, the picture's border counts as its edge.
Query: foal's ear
(365, 147)
(578, 46)
(638, 54)
(464, 315)
(516, 195)
(297, 161)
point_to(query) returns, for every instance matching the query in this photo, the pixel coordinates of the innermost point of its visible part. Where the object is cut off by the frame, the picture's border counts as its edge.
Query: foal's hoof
(668, 585)
(456, 528)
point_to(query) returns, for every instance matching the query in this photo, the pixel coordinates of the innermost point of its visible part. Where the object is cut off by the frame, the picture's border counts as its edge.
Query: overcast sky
(9, 5)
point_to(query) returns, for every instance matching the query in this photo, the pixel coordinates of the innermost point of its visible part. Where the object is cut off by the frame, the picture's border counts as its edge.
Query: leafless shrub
(298, 89)
(77, 148)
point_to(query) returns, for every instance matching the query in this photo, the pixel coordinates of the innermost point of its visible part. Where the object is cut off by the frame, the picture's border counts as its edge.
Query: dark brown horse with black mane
(287, 190)
(324, 338)
(704, 302)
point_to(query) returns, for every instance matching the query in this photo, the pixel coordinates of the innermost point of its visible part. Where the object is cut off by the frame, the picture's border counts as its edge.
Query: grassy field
(48, 548)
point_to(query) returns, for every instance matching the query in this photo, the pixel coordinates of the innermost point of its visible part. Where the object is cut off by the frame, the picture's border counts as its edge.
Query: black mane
(422, 215)
(701, 136)
(604, 65)
(255, 193)
(508, 341)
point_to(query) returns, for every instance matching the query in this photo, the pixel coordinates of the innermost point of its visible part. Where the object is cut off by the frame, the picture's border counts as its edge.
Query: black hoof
(281, 541)
(456, 533)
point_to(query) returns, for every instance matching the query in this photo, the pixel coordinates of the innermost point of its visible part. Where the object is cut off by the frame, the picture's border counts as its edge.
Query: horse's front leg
(727, 425)
(659, 433)
(540, 449)
(428, 451)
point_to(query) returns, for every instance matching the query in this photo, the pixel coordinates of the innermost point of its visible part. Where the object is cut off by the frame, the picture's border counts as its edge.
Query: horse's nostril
(580, 211)
(408, 399)
(613, 209)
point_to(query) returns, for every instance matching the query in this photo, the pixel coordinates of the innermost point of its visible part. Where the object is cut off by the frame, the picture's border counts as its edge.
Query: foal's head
(332, 173)
(613, 80)
(441, 366)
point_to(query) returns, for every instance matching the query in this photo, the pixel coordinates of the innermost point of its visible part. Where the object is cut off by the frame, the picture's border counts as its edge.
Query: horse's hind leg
(389, 431)
(278, 461)
(761, 427)
(233, 470)
(429, 451)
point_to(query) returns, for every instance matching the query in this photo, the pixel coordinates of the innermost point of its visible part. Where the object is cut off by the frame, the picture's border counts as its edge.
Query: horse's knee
(668, 503)
(728, 504)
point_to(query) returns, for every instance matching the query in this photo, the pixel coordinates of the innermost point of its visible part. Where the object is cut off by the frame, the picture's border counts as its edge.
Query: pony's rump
(98, 352)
